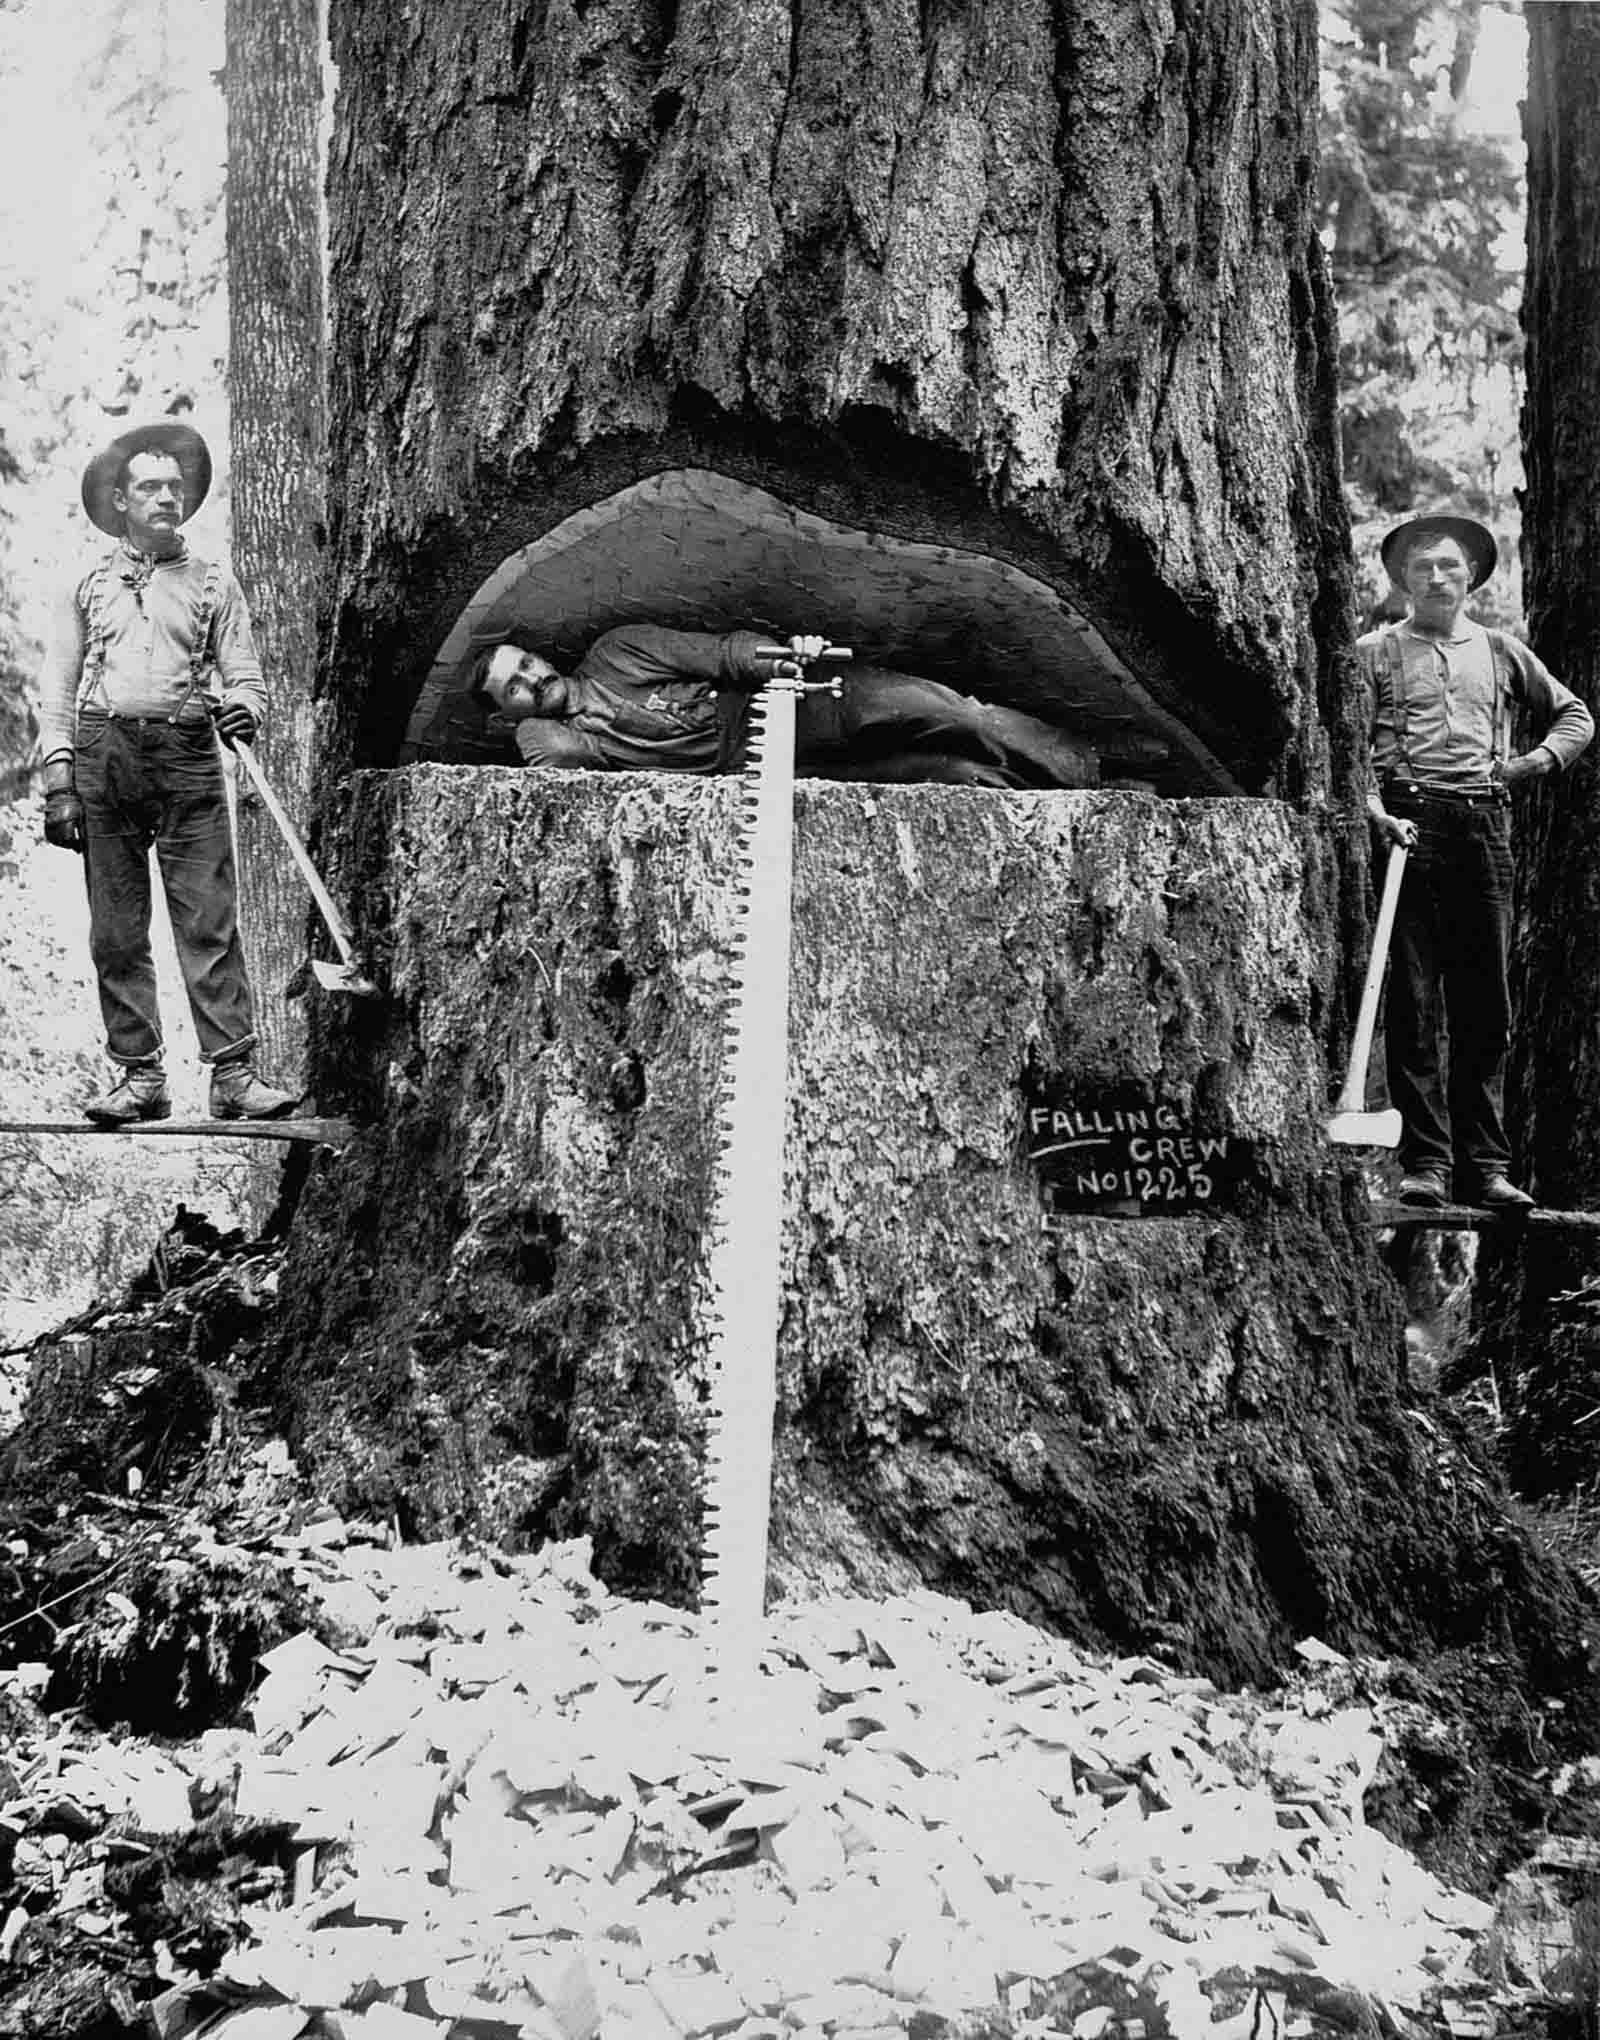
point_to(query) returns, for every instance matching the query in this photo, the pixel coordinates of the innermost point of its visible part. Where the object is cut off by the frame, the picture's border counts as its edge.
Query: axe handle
(298, 851)
(1353, 1098)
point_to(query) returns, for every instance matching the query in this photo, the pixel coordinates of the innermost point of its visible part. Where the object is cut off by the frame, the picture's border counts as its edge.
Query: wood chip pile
(516, 1805)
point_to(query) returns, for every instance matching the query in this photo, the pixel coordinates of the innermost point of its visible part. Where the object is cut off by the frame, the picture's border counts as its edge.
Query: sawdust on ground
(512, 1803)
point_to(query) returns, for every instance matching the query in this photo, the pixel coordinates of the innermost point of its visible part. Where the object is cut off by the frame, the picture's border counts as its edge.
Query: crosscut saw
(747, 1215)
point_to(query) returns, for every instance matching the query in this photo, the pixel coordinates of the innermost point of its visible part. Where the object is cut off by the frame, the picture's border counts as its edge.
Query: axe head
(1364, 1129)
(344, 977)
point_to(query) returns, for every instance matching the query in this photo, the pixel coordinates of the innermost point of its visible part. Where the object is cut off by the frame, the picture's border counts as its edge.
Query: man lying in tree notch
(646, 698)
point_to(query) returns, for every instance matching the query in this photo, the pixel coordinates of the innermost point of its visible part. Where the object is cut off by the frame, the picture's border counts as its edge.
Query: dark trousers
(909, 726)
(148, 783)
(1448, 974)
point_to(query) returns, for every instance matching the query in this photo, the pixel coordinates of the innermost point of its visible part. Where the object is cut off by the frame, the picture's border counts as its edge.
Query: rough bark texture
(1033, 284)
(1039, 280)
(277, 371)
(1182, 1430)
(1554, 1347)
(1036, 284)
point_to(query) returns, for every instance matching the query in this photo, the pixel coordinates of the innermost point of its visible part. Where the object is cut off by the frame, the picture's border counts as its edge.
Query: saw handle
(835, 686)
(770, 651)
(1353, 1097)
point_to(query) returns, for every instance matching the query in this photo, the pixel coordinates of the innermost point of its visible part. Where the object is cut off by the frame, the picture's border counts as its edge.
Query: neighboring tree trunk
(1554, 1346)
(277, 370)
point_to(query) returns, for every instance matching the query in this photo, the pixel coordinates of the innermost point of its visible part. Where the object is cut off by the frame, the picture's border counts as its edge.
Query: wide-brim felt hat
(1476, 540)
(167, 435)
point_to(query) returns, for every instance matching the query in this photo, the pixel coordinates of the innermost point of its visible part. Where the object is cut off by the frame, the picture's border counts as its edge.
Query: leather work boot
(1422, 1186)
(140, 1092)
(1495, 1192)
(238, 1093)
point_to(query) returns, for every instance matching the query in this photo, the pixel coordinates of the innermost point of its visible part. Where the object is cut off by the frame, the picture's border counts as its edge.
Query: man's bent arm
(1569, 725)
(1393, 828)
(238, 662)
(58, 685)
(647, 653)
(554, 746)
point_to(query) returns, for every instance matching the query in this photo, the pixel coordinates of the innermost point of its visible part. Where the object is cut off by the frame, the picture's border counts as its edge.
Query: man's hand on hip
(1532, 765)
(235, 724)
(63, 819)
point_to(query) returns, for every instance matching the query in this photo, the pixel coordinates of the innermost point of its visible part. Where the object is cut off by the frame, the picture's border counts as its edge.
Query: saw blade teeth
(744, 1227)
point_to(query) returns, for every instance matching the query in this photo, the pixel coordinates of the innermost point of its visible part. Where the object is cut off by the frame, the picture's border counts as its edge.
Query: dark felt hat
(167, 435)
(1476, 540)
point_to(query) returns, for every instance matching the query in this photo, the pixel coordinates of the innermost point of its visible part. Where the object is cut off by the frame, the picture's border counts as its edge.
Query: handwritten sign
(1107, 1156)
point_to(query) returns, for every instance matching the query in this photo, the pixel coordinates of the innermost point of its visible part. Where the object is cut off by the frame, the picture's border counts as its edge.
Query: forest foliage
(113, 304)
(1422, 198)
(113, 308)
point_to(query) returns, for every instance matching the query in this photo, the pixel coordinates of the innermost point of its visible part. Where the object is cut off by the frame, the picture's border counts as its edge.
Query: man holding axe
(1444, 693)
(131, 764)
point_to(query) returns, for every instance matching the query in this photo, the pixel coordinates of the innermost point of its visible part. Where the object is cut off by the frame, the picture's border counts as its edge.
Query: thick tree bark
(277, 370)
(1036, 280)
(1012, 297)
(511, 1263)
(1183, 1431)
(1553, 1348)
(1038, 284)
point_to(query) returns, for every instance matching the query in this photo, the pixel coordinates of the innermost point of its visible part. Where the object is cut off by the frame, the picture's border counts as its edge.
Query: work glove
(235, 724)
(63, 819)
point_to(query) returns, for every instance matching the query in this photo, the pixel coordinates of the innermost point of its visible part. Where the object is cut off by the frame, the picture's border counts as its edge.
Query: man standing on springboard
(131, 764)
(1445, 692)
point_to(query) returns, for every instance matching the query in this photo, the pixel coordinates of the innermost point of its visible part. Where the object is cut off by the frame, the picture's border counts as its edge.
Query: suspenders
(92, 595)
(1506, 677)
(1505, 684)
(92, 601)
(1395, 662)
(200, 649)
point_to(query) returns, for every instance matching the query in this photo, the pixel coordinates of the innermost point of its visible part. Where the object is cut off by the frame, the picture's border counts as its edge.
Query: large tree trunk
(1039, 281)
(277, 371)
(995, 339)
(1025, 300)
(1160, 1428)
(1553, 1348)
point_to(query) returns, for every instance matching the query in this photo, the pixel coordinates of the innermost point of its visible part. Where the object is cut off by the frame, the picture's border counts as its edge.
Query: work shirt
(645, 698)
(1442, 707)
(149, 610)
